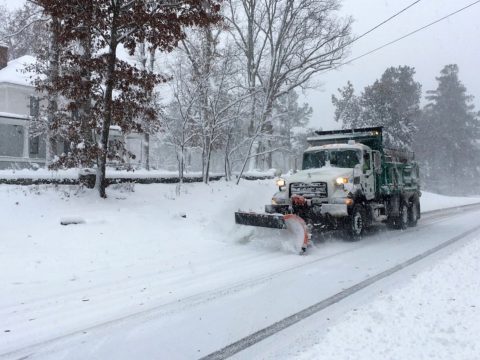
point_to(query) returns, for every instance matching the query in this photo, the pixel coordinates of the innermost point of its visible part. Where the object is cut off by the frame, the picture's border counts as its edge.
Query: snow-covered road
(127, 304)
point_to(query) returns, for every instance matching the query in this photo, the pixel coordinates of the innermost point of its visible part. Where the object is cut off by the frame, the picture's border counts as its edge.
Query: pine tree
(290, 124)
(449, 134)
(347, 107)
(393, 102)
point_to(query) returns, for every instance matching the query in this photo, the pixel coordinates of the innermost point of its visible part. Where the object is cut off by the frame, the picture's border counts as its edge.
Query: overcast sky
(455, 40)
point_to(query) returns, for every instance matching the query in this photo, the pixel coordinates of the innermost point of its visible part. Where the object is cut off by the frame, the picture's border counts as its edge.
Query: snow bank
(435, 316)
(430, 201)
(38, 174)
(152, 223)
(117, 174)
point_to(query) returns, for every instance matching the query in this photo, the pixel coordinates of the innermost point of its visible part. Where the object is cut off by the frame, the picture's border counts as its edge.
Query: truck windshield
(338, 158)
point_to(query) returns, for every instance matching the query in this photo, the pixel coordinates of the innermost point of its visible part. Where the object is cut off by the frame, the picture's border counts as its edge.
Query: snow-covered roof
(15, 72)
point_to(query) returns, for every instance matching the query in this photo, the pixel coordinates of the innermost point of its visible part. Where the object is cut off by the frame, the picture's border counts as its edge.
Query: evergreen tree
(393, 102)
(290, 124)
(347, 107)
(449, 134)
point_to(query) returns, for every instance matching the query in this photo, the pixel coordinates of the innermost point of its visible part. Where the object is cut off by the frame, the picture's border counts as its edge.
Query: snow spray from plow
(289, 222)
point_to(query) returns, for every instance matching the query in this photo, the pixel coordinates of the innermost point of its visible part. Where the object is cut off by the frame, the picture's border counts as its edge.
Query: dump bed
(372, 137)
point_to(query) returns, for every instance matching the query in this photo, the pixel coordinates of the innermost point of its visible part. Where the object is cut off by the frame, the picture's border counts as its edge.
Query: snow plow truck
(349, 181)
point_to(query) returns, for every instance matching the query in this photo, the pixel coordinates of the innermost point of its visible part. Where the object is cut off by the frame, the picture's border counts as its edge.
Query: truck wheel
(356, 223)
(403, 219)
(413, 212)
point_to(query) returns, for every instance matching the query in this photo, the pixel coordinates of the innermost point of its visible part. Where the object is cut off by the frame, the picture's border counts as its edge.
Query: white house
(18, 103)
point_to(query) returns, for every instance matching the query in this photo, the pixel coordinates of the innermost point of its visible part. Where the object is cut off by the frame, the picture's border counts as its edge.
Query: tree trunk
(227, 167)
(147, 151)
(252, 142)
(252, 78)
(181, 169)
(151, 68)
(108, 103)
(85, 108)
(52, 107)
(207, 116)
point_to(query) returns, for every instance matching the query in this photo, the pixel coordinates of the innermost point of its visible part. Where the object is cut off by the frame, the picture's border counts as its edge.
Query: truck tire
(413, 213)
(356, 223)
(403, 218)
(399, 222)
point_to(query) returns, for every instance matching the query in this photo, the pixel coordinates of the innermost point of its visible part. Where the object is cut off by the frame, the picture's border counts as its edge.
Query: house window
(34, 106)
(11, 140)
(34, 146)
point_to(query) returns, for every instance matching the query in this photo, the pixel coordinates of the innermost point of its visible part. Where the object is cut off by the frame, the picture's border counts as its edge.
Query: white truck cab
(330, 175)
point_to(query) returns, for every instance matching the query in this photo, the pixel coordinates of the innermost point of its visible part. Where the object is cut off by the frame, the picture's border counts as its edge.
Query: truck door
(368, 183)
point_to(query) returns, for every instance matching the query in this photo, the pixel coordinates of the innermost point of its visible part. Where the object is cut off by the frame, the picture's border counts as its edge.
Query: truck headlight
(341, 200)
(341, 180)
(280, 183)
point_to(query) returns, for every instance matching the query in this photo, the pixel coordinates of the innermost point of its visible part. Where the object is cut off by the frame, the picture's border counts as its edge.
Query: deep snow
(434, 316)
(142, 247)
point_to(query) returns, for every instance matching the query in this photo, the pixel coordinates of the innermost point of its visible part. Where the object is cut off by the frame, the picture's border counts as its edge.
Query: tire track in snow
(278, 326)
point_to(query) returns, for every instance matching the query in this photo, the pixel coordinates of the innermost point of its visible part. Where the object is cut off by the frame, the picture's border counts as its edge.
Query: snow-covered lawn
(130, 232)
(434, 316)
(134, 250)
(143, 246)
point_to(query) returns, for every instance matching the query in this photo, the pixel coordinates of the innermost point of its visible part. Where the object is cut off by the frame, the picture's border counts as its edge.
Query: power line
(403, 37)
(377, 26)
(385, 21)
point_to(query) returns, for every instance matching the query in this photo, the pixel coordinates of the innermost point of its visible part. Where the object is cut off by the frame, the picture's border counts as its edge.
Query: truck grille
(309, 191)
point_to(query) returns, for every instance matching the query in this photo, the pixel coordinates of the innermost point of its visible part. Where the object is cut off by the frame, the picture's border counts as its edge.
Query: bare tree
(24, 30)
(214, 75)
(284, 44)
(147, 58)
(179, 122)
